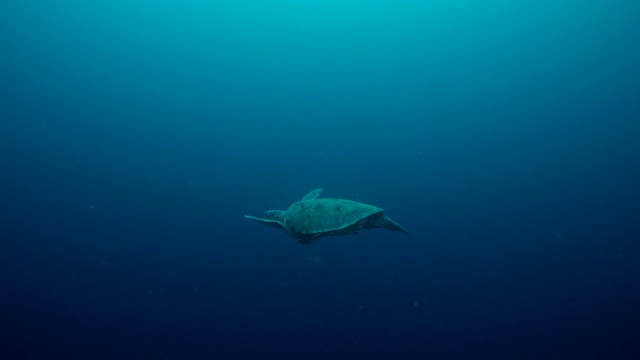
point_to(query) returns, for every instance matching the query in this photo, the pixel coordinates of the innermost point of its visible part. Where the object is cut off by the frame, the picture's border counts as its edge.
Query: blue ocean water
(134, 136)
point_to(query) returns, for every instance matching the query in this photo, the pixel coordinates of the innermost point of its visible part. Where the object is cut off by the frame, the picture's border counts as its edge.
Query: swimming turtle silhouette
(313, 217)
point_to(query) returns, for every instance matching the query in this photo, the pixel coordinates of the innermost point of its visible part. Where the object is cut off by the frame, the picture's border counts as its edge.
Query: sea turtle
(312, 218)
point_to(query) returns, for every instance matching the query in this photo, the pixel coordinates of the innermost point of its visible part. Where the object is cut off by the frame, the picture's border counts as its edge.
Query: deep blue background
(135, 134)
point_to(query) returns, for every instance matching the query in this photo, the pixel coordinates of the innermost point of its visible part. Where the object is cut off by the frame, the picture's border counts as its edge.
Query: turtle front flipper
(270, 222)
(312, 195)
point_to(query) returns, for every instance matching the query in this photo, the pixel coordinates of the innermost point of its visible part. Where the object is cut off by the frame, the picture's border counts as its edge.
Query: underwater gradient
(503, 135)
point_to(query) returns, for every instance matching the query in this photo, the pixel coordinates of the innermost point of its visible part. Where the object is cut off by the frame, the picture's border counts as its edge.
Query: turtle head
(276, 215)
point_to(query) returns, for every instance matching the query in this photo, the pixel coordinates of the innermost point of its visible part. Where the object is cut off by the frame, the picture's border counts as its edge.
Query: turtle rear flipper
(385, 222)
